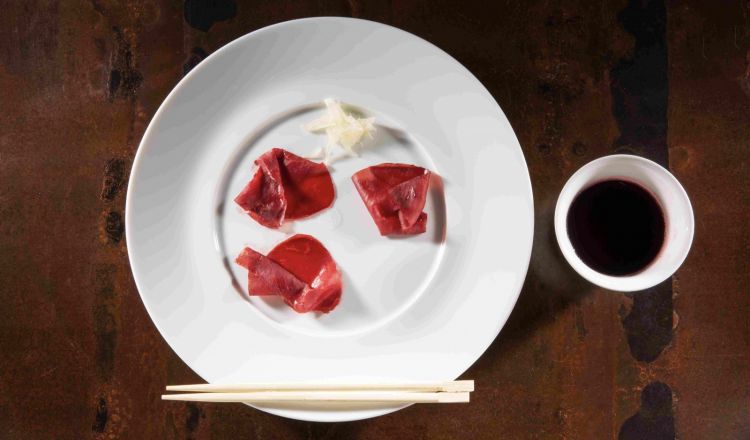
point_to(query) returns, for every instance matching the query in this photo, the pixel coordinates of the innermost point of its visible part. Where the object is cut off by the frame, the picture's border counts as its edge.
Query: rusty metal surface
(79, 81)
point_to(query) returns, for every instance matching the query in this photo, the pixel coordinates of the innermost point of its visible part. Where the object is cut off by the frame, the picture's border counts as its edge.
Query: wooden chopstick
(324, 396)
(446, 386)
(383, 392)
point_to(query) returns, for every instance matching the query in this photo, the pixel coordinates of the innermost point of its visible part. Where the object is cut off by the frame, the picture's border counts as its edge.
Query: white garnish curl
(341, 129)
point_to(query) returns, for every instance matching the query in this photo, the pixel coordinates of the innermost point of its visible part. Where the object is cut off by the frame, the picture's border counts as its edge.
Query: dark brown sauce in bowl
(616, 227)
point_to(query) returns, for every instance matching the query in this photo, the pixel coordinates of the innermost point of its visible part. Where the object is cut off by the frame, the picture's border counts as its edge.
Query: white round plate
(414, 308)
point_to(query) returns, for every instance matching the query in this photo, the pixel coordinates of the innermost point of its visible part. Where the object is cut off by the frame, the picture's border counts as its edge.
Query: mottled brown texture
(79, 81)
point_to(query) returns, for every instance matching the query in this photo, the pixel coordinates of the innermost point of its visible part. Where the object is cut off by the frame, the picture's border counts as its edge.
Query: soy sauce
(616, 227)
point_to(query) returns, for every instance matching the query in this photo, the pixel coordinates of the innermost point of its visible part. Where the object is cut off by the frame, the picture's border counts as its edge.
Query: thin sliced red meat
(395, 195)
(263, 199)
(410, 197)
(298, 269)
(266, 277)
(307, 259)
(392, 226)
(286, 187)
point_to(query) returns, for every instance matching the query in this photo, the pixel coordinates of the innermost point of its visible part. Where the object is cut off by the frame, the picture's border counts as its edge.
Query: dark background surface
(79, 81)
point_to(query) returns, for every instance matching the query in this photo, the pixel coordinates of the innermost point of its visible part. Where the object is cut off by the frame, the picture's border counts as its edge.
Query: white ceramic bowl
(668, 192)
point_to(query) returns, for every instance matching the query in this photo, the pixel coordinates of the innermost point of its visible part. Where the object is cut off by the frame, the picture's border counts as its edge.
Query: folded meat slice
(266, 277)
(395, 195)
(308, 260)
(299, 269)
(286, 187)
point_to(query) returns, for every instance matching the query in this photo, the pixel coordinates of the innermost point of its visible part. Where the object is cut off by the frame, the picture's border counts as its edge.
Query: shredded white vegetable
(341, 128)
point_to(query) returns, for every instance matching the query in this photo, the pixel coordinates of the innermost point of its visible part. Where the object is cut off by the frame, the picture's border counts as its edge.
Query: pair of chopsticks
(421, 392)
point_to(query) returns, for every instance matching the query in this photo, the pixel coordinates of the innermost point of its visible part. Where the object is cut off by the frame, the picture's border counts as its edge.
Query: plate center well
(382, 276)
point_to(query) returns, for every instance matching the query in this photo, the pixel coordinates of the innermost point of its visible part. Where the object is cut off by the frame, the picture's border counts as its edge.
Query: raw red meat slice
(410, 197)
(392, 226)
(286, 187)
(266, 277)
(299, 269)
(307, 259)
(395, 195)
